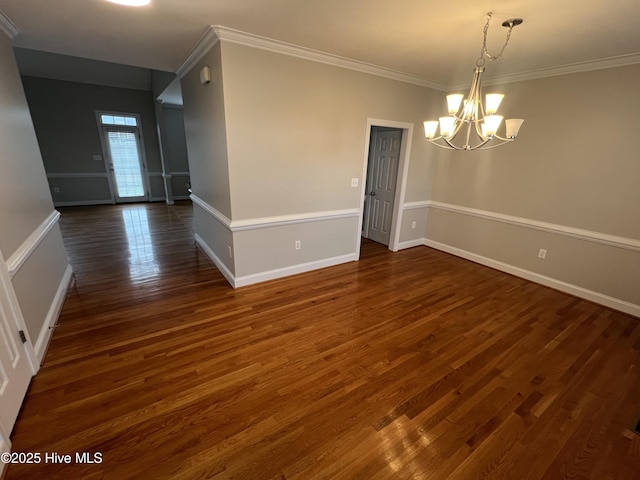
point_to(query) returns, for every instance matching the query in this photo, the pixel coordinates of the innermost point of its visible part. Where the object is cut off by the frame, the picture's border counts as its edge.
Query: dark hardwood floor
(409, 365)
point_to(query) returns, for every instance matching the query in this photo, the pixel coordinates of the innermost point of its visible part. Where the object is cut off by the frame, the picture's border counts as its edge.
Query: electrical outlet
(56, 189)
(542, 254)
(230, 251)
(298, 245)
(354, 182)
(413, 224)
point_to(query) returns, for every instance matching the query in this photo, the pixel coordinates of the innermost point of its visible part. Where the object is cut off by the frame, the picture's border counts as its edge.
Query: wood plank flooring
(409, 365)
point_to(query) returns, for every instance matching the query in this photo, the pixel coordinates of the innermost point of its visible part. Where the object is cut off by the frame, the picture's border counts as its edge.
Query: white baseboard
(246, 280)
(411, 243)
(596, 297)
(216, 261)
(83, 203)
(44, 337)
(293, 270)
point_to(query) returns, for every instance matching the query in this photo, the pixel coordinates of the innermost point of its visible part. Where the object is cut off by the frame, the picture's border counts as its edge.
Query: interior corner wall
(206, 137)
(30, 240)
(568, 184)
(296, 133)
(67, 131)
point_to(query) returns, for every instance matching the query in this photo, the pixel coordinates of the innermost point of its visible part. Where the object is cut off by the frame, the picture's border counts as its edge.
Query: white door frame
(14, 324)
(401, 182)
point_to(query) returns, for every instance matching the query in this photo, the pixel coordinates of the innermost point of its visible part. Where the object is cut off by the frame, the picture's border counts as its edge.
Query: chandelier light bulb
(453, 102)
(493, 102)
(447, 126)
(430, 129)
(492, 123)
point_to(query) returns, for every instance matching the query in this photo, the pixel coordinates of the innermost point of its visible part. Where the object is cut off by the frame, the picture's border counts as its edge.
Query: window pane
(126, 163)
(119, 120)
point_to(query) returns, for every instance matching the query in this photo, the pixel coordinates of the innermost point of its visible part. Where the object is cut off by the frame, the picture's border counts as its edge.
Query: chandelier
(471, 120)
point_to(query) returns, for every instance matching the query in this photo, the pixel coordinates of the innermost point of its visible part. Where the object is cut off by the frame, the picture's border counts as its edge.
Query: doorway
(382, 176)
(124, 157)
(390, 176)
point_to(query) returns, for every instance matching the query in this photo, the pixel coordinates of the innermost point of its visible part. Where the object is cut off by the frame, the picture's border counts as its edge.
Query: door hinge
(23, 337)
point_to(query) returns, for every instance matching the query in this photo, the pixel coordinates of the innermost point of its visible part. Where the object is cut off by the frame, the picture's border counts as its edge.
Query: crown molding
(208, 40)
(7, 26)
(216, 33)
(256, 41)
(580, 67)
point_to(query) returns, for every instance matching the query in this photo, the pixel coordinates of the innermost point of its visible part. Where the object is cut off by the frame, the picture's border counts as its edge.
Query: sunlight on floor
(142, 258)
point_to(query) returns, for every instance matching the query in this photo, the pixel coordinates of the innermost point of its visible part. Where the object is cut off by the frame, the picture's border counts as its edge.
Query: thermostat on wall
(205, 75)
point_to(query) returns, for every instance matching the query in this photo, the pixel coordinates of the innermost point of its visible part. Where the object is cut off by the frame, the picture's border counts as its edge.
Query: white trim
(82, 203)
(416, 205)
(412, 243)
(216, 33)
(266, 222)
(293, 270)
(44, 337)
(611, 302)
(277, 221)
(206, 43)
(78, 175)
(216, 261)
(211, 210)
(7, 26)
(580, 67)
(580, 234)
(401, 181)
(24, 251)
(277, 46)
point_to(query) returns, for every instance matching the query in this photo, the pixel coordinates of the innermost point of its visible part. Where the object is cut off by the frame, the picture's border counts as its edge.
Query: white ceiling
(435, 40)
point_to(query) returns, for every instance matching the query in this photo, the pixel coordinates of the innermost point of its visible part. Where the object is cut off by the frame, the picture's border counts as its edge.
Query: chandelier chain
(484, 52)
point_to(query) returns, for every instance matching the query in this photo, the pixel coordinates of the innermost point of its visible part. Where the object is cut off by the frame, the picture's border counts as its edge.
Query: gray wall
(569, 184)
(174, 147)
(30, 240)
(276, 138)
(65, 121)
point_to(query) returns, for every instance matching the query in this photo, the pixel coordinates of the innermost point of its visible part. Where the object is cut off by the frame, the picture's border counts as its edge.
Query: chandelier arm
(503, 139)
(451, 145)
(459, 123)
(494, 145)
